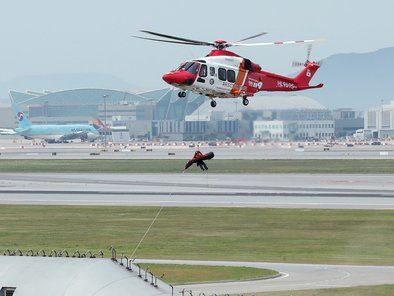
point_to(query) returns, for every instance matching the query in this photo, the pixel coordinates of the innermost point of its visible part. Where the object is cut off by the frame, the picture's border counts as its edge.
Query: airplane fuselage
(55, 132)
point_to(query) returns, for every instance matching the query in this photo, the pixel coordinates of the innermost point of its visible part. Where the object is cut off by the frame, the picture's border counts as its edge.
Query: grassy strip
(239, 234)
(373, 166)
(382, 290)
(185, 274)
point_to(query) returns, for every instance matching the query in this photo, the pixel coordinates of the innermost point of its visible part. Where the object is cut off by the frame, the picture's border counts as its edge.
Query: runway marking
(63, 180)
(283, 275)
(198, 193)
(192, 203)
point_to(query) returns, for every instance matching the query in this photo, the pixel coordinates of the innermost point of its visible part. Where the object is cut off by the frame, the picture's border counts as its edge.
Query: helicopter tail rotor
(307, 61)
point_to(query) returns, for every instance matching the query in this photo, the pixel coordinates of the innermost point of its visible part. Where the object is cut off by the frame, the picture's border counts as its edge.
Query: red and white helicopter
(224, 74)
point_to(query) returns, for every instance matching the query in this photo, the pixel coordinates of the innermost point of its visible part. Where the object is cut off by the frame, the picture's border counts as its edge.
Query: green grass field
(383, 290)
(378, 166)
(186, 274)
(240, 234)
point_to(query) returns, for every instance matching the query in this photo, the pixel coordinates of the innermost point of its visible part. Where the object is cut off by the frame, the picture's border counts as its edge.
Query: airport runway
(293, 277)
(24, 149)
(349, 191)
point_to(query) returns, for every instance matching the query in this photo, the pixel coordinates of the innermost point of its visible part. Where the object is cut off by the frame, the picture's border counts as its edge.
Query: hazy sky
(73, 36)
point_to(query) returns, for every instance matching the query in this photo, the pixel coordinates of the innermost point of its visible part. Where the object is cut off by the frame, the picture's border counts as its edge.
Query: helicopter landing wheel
(245, 101)
(182, 94)
(213, 103)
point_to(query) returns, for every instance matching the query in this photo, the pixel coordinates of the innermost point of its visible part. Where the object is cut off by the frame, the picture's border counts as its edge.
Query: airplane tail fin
(23, 121)
(98, 124)
(306, 75)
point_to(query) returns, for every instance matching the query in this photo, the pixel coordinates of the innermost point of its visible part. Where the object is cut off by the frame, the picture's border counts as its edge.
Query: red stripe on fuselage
(237, 87)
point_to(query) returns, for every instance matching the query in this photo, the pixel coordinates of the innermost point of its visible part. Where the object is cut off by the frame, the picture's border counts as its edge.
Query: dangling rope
(147, 231)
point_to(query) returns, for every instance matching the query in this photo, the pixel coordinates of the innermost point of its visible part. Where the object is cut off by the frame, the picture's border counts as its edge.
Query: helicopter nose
(179, 78)
(169, 78)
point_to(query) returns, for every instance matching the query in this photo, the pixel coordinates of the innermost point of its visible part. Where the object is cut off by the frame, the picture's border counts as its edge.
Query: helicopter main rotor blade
(197, 42)
(297, 64)
(308, 52)
(274, 43)
(251, 37)
(167, 41)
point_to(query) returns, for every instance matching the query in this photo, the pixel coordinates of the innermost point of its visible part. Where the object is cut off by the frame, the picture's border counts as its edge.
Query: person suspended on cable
(199, 158)
(200, 163)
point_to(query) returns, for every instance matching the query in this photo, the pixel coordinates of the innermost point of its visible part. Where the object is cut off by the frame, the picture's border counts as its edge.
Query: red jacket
(197, 154)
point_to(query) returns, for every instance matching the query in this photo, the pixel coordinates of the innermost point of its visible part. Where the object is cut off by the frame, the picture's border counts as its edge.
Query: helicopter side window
(193, 69)
(231, 76)
(212, 71)
(247, 64)
(203, 71)
(222, 74)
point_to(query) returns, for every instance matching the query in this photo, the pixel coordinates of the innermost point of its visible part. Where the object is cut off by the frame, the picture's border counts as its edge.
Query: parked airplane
(51, 133)
(7, 131)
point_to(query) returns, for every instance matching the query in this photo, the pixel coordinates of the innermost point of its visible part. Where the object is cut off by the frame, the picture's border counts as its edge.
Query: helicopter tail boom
(306, 75)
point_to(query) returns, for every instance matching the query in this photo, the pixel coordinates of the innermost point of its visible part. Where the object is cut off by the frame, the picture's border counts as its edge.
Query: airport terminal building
(161, 114)
(140, 114)
(379, 121)
(269, 118)
(347, 122)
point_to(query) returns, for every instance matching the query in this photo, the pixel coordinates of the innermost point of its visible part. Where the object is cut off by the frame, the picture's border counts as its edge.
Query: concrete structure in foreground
(54, 276)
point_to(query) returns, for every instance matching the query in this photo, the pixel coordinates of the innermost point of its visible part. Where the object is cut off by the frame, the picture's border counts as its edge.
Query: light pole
(105, 119)
(236, 106)
(198, 122)
(46, 111)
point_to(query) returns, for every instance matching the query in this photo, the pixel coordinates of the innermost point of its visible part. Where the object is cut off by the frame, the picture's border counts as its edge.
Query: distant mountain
(357, 80)
(61, 82)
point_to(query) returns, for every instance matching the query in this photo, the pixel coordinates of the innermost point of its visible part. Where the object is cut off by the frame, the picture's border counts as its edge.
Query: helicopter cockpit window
(203, 71)
(212, 71)
(185, 66)
(222, 74)
(193, 68)
(180, 67)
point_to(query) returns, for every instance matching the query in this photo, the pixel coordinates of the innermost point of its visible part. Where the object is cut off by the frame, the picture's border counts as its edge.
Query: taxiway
(350, 191)
(293, 277)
